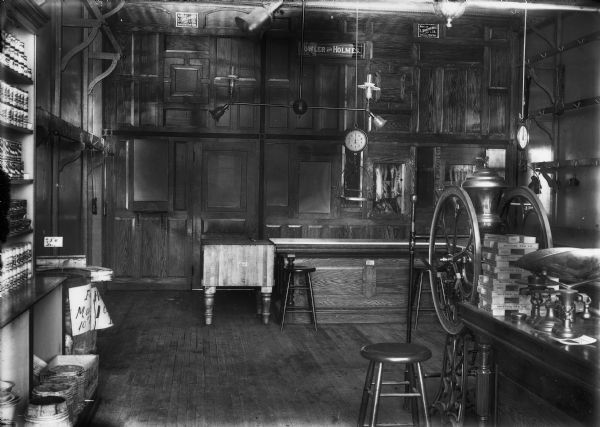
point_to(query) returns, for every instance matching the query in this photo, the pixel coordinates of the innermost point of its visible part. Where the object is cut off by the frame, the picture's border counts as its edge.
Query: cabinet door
(224, 194)
(450, 99)
(325, 83)
(225, 188)
(239, 57)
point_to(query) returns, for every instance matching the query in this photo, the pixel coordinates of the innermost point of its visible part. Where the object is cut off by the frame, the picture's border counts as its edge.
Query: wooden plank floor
(161, 366)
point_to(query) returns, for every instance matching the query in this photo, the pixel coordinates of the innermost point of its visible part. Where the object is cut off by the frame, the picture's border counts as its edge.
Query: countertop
(19, 301)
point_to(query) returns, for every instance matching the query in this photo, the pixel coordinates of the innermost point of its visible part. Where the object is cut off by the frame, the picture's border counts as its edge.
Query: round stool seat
(300, 269)
(391, 352)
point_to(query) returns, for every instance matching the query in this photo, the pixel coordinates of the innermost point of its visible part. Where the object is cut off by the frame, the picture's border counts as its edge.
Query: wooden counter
(342, 247)
(356, 281)
(564, 376)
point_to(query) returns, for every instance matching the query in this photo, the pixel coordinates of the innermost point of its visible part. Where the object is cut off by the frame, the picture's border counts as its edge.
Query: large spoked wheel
(454, 255)
(522, 213)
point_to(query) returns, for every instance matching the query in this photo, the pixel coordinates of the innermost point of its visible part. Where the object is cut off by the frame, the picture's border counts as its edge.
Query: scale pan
(570, 265)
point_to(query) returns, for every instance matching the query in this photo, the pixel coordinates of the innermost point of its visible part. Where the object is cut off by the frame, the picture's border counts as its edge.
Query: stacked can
(14, 105)
(12, 55)
(17, 267)
(11, 159)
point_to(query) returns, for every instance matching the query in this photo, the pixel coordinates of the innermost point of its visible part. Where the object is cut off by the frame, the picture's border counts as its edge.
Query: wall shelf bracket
(98, 25)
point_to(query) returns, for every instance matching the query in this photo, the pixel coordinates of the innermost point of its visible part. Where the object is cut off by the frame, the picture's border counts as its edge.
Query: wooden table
(357, 280)
(564, 376)
(237, 263)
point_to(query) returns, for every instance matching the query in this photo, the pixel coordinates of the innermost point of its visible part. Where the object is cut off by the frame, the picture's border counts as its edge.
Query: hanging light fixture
(369, 87)
(259, 19)
(376, 121)
(522, 131)
(217, 112)
(450, 9)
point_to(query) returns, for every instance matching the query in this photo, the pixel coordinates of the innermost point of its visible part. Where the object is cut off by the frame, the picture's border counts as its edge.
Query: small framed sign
(428, 31)
(186, 20)
(334, 50)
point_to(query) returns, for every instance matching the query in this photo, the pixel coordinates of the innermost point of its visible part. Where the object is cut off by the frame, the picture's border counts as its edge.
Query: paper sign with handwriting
(88, 311)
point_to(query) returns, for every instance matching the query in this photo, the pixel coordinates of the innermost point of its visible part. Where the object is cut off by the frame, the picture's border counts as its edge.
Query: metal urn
(485, 188)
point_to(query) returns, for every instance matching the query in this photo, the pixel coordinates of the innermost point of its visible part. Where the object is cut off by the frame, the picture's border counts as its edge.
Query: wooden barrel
(47, 411)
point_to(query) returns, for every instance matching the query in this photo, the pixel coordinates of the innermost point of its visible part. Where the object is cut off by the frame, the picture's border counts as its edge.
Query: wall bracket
(98, 26)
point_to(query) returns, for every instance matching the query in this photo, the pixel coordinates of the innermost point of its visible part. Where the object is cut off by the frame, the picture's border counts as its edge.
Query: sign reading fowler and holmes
(334, 50)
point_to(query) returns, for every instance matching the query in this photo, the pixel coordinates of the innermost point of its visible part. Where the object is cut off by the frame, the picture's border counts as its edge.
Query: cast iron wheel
(454, 256)
(522, 213)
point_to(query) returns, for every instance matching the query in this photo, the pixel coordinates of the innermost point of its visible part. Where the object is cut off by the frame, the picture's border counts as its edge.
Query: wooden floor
(161, 366)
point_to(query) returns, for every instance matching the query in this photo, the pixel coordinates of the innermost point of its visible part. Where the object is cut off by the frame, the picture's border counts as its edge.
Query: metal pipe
(427, 6)
(408, 6)
(509, 5)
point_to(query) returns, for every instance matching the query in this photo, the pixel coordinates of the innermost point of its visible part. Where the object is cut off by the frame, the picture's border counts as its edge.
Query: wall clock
(355, 140)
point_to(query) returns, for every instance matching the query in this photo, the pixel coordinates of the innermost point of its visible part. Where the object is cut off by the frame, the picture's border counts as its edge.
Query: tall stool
(291, 271)
(410, 355)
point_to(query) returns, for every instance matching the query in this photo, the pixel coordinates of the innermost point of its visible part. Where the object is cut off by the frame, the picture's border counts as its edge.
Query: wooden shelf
(20, 233)
(11, 76)
(13, 128)
(21, 181)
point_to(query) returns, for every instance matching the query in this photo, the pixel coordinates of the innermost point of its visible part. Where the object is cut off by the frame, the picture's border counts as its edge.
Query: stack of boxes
(500, 278)
(17, 217)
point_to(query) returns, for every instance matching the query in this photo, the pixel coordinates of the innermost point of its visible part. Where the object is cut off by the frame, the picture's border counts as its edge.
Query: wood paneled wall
(454, 91)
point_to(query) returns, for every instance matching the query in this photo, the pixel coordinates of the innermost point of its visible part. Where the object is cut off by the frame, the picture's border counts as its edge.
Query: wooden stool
(288, 301)
(401, 353)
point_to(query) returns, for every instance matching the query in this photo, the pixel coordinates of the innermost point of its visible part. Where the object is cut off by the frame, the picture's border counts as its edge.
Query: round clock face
(355, 140)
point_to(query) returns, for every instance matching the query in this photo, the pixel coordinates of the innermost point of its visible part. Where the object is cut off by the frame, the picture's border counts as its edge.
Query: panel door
(224, 193)
(148, 240)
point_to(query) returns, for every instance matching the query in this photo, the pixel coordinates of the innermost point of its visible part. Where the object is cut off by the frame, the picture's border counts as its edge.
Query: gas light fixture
(450, 9)
(258, 19)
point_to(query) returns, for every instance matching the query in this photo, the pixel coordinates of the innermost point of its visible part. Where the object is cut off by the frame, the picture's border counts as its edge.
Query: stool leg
(362, 414)
(376, 394)
(423, 394)
(419, 291)
(312, 300)
(285, 299)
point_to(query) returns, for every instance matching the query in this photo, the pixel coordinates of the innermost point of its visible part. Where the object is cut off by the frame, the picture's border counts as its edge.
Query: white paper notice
(582, 340)
(88, 311)
(101, 318)
(80, 301)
